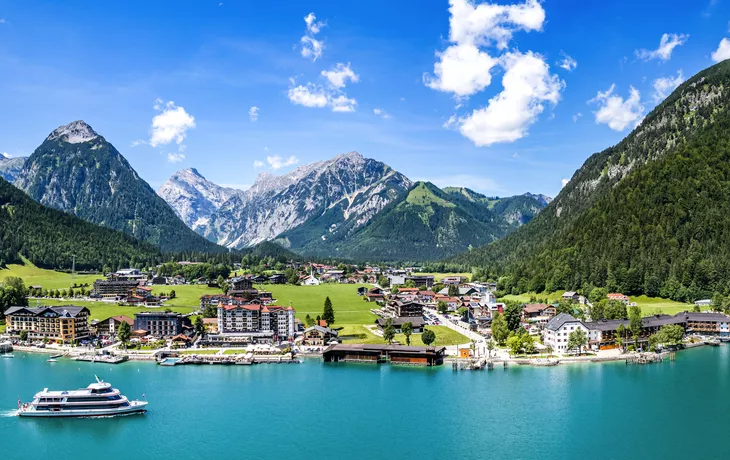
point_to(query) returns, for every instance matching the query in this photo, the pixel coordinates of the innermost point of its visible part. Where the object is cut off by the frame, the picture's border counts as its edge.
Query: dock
(105, 359)
(241, 360)
(645, 358)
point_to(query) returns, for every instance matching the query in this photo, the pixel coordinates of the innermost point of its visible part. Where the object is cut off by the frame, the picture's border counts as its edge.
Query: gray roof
(557, 321)
(607, 324)
(708, 316)
(399, 321)
(382, 347)
(65, 310)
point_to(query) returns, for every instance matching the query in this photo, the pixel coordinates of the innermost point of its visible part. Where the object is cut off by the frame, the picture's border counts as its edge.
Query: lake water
(672, 410)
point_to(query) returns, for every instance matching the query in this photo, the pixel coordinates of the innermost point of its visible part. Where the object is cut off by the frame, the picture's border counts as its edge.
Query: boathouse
(376, 353)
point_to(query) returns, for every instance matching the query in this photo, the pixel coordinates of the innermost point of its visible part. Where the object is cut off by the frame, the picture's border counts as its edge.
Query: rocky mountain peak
(75, 132)
(193, 197)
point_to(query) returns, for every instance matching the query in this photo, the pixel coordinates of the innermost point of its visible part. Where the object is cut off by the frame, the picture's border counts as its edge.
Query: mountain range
(344, 207)
(650, 215)
(76, 170)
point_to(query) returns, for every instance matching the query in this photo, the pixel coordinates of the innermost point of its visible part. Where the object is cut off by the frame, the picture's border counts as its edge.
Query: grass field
(353, 333)
(186, 296)
(49, 279)
(656, 305)
(348, 306)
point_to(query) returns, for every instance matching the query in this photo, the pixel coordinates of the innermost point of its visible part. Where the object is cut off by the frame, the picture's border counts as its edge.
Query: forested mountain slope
(648, 215)
(50, 238)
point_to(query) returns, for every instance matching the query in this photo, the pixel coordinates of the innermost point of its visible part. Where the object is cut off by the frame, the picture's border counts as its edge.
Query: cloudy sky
(500, 97)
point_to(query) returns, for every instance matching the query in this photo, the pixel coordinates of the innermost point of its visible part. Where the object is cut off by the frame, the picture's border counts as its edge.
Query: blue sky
(419, 85)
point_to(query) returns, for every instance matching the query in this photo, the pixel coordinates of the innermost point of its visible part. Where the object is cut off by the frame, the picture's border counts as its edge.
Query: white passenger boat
(97, 400)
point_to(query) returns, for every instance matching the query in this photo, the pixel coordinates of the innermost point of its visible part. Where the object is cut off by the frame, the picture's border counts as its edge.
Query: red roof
(126, 319)
(322, 323)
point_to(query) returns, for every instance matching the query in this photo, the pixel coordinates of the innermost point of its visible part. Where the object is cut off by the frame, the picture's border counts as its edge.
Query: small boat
(97, 400)
(57, 356)
(52, 360)
(8, 355)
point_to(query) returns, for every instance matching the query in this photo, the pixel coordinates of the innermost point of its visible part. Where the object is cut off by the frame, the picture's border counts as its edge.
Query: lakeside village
(245, 325)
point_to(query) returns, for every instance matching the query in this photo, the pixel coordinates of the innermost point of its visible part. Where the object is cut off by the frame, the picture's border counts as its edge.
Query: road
(481, 343)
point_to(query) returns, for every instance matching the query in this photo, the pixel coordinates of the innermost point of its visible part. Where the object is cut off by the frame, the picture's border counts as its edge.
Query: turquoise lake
(672, 410)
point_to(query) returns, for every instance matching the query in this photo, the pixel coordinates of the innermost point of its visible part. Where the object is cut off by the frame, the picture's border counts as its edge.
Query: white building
(256, 321)
(558, 329)
(310, 280)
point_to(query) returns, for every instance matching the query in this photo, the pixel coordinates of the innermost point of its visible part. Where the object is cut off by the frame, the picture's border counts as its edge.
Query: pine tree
(329, 314)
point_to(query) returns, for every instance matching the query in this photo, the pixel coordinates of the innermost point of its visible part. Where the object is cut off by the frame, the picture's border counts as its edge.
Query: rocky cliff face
(10, 167)
(344, 192)
(76, 170)
(193, 197)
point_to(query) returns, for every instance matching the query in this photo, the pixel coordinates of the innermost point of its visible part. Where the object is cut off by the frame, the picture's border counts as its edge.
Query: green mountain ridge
(423, 223)
(648, 215)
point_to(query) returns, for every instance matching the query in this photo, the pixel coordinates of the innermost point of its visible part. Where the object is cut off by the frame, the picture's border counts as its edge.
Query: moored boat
(97, 400)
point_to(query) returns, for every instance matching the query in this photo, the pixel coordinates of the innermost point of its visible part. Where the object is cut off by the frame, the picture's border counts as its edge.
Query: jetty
(240, 359)
(645, 358)
(106, 359)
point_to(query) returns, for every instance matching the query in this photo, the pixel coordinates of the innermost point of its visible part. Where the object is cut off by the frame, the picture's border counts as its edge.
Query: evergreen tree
(329, 314)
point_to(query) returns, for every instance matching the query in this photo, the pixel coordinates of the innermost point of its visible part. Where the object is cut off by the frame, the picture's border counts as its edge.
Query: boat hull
(138, 407)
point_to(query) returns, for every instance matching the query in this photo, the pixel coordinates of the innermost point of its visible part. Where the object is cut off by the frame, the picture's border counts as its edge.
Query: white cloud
(339, 75)
(253, 113)
(311, 47)
(487, 23)
(138, 142)
(313, 26)
(461, 69)
(616, 112)
(722, 52)
(665, 85)
(277, 162)
(171, 125)
(315, 96)
(342, 103)
(527, 84)
(258, 164)
(308, 96)
(175, 157)
(576, 117)
(567, 63)
(666, 45)
(381, 113)
(564, 182)
(2, 21)
(464, 69)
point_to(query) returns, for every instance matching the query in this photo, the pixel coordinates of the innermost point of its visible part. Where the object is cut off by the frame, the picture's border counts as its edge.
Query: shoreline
(534, 362)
